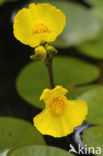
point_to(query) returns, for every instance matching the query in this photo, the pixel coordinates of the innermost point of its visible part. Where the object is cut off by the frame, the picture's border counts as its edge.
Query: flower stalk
(49, 66)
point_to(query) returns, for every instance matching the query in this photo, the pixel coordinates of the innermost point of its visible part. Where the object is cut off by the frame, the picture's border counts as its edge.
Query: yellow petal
(76, 112)
(54, 17)
(55, 126)
(38, 24)
(61, 125)
(50, 94)
(23, 26)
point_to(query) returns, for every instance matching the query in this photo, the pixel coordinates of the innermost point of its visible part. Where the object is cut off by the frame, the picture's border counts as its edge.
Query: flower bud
(40, 54)
(51, 51)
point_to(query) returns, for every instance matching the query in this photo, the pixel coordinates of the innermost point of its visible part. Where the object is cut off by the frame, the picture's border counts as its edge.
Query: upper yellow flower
(38, 24)
(61, 115)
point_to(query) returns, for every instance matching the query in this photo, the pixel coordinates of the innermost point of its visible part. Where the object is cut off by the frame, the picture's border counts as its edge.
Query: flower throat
(40, 28)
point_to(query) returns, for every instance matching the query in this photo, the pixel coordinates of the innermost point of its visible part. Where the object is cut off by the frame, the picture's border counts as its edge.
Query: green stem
(49, 66)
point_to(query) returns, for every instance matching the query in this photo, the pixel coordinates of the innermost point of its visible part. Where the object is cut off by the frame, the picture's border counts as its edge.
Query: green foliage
(94, 99)
(75, 92)
(68, 72)
(39, 151)
(17, 133)
(93, 137)
(77, 30)
(95, 2)
(94, 48)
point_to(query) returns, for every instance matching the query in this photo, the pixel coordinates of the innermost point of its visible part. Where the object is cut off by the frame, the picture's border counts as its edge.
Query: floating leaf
(94, 99)
(93, 137)
(38, 151)
(94, 48)
(77, 91)
(67, 71)
(17, 133)
(95, 2)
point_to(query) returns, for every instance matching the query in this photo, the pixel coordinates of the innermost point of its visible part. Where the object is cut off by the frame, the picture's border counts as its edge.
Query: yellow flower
(61, 115)
(38, 24)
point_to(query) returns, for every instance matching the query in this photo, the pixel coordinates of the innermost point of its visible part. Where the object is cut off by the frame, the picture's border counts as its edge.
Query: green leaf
(94, 48)
(94, 99)
(93, 137)
(81, 25)
(77, 30)
(95, 2)
(17, 133)
(67, 72)
(75, 92)
(38, 151)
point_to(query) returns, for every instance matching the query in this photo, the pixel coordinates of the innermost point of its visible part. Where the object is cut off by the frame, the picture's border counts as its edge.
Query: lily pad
(95, 2)
(38, 151)
(94, 48)
(93, 137)
(94, 99)
(17, 133)
(75, 92)
(67, 72)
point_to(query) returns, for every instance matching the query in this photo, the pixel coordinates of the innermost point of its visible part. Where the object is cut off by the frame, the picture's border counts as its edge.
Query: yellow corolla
(61, 115)
(38, 24)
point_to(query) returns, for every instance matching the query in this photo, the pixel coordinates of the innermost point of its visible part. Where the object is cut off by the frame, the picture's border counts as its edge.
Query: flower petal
(23, 25)
(61, 125)
(50, 94)
(45, 14)
(52, 125)
(53, 17)
(76, 112)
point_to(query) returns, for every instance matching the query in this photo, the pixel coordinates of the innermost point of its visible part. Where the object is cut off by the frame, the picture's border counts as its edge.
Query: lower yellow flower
(61, 115)
(38, 24)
